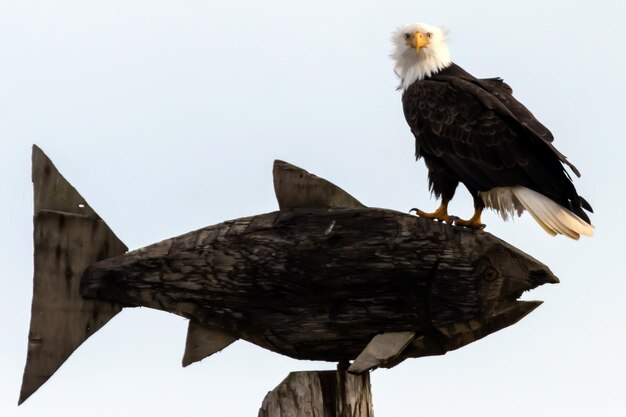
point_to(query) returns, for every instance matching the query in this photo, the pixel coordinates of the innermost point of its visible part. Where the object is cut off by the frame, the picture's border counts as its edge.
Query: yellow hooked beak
(417, 40)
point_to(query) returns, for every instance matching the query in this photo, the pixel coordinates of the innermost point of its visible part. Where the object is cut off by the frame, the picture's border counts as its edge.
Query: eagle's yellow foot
(440, 214)
(473, 223)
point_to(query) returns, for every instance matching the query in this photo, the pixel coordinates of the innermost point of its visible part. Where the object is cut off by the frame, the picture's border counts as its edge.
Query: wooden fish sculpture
(323, 278)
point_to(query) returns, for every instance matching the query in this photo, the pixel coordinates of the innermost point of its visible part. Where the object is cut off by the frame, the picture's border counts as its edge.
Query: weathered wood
(320, 284)
(383, 348)
(320, 394)
(204, 341)
(297, 188)
(319, 279)
(69, 236)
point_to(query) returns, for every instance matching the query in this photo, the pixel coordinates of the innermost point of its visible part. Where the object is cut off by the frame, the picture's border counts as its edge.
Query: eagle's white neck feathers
(412, 66)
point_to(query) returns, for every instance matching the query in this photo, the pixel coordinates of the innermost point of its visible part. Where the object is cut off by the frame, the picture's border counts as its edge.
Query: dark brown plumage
(474, 131)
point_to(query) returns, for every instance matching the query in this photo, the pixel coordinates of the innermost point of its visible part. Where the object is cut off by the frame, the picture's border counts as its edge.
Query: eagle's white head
(420, 51)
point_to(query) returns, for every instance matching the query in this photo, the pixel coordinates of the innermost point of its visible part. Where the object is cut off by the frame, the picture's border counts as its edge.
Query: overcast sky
(167, 115)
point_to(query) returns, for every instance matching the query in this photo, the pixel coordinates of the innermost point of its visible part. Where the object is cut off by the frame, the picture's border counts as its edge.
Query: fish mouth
(510, 309)
(535, 278)
(539, 277)
(502, 308)
(508, 312)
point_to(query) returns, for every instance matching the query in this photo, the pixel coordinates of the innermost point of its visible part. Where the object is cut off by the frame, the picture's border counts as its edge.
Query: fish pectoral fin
(381, 349)
(203, 341)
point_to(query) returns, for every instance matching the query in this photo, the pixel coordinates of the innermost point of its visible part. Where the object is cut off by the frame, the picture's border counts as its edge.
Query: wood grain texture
(297, 188)
(68, 237)
(320, 284)
(319, 280)
(204, 341)
(382, 349)
(320, 394)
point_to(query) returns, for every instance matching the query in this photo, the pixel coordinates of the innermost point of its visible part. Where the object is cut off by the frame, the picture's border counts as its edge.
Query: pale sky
(167, 115)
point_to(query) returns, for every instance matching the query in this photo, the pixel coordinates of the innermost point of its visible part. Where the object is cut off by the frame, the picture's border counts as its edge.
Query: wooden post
(320, 394)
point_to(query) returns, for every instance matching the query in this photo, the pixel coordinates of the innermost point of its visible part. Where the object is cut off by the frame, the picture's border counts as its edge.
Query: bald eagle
(473, 131)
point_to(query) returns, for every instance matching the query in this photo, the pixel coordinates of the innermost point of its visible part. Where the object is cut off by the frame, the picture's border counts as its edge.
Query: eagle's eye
(429, 35)
(407, 36)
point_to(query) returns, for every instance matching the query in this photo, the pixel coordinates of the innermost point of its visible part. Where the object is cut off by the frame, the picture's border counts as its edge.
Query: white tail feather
(552, 217)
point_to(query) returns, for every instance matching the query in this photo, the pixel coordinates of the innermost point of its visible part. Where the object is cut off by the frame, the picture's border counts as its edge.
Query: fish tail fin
(551, 216)
(68, 237)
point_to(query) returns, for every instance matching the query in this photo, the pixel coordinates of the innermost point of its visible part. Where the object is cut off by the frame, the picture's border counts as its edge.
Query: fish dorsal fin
(203, 341)
(297, 188)
(69, 236)
(383, 348)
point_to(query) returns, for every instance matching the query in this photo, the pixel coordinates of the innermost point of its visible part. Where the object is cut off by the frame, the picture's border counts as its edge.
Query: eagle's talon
(470, 224)
(440, 215)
